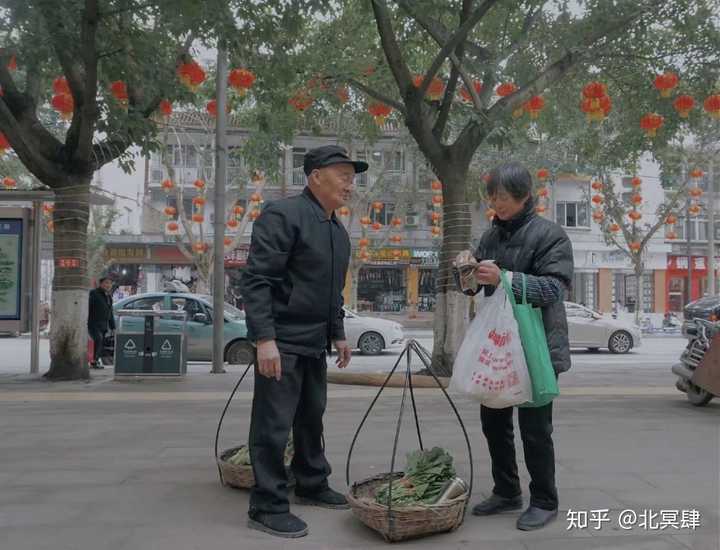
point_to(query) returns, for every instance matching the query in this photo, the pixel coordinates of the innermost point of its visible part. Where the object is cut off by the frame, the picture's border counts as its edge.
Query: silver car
(372, 335)
(589, 329)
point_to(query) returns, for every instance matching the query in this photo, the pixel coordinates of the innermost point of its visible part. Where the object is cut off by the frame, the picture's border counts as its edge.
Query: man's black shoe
(496, 504)
(286, 525)
(327, 498)
(535, 518)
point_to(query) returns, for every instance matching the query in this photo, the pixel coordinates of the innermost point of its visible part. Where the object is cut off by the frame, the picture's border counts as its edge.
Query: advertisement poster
(10, 268)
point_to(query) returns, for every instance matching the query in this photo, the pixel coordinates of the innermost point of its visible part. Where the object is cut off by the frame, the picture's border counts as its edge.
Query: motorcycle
(700, 335)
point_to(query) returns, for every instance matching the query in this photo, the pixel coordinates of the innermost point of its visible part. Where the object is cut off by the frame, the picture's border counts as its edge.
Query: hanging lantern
(396, 222)
(173, 227)
(12, 64)
(301, 101)
(598, 216)
(198, 218)
(170, 211)
(540, 209)
(211, 108)
(506, 89)
(232, 223)
(379, 112)
(396, 239)
(200, 248)
(191, 75)
(697, 173)
(465, 94)
(712, 105)
(596, 185)
(595, 103)
(227, 241)
(377, 226)
(364, 255)
(344, 211)
(671, 219)
(256, 198)
(437, 201)
(199, 201)
(635, 246)
(60, 86)
(542, 174)
(694, 209)
(377, 206)
(597, 199)
(666, 83)
(396, 254)
(435, 231)
(254, 215)
(695, 192)
(671, 235)
(614, 228)
(636, 199)
(683, 104)
(651, 123)
(4, 144)
(636, 182)
(343, 94)
(594, 90)
(634, 215)
(9, 183)
(365, 221)
(490, 213)
(119, 91)
(63, 104)
(166, 108)
(435, 217)
(199, 184)
(241, 80)
(543, 192)
(534, 106)
(436, 186)
(238, 210)
(364, 242)
(435, 90)
(167, 185)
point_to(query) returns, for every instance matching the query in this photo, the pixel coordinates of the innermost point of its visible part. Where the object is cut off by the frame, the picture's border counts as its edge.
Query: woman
(522, 242)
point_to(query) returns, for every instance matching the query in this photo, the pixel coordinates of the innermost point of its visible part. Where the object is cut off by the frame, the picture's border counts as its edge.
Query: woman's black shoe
(286, 525)
(496, 504)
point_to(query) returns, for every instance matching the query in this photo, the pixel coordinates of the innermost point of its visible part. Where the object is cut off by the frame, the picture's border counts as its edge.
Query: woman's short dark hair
(513, 177)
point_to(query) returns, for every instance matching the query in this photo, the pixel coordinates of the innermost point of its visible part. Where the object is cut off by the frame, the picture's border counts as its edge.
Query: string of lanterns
(543, 193)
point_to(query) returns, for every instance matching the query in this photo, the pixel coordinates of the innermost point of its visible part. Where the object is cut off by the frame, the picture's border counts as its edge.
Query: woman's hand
(487, 273)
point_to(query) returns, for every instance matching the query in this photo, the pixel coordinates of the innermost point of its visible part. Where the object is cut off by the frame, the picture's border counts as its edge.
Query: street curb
(377, 379)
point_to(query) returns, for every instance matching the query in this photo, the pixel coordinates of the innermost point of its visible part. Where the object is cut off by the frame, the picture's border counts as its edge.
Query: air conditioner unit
(412, 220)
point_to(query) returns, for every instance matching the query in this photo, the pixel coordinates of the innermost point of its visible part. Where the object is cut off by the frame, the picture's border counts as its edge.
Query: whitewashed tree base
(69, 335)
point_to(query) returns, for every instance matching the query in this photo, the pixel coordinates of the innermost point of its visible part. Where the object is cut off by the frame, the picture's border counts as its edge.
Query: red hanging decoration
(671, 219)
(595, 103)
(167, 185)
(60, 86)
(201, 248)
(436, 89)
(543, 192)
(241, 80)
(364, 242)
(712, 105)
(597, 199)
(436, 231)
(239, 210)
(344, 211)
(396, 222)
(694, 209)
(377, 206)
(506, 89)
(377, 226)
(596, 185)
(635, 216)
(465, 94)
(635, 246)
(254, 215)
(4, 144)
(232, 223)
(534, 106)
(9, 183)
(636, 182)
(301, 101)
(170, 211)
(542, 174)
(199, 184)
(166, 108)
(636, 199)
(598, 216)
(436, 186)
(12, 64)
(365, 221)
(695, 192)
(651, 123)
(671, 235)
(198, 218)
(666, 83)
(541, 209)
(199, 201)
(683, 104)
(379, 112)
(63, 104)
(191, 75)
(173, 226)
(614, 228)
(696, 173)
(119, 91)
(227, 241)
(437, 201)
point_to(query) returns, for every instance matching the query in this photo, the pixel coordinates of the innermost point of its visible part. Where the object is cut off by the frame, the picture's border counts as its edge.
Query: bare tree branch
(80, 143)
(392, 50)
(377, 95)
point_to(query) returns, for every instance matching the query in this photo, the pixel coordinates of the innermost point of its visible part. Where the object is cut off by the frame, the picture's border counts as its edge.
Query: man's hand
(463, 258)
(344, 353)
(487, 273)
(269, 359)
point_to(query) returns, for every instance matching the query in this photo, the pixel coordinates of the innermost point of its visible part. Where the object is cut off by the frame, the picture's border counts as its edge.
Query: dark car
(707, 307)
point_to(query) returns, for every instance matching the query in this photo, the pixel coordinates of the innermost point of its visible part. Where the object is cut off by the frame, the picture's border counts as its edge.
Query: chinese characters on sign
(10, 268)
(648, 520)
(125, 253)
(68, 263)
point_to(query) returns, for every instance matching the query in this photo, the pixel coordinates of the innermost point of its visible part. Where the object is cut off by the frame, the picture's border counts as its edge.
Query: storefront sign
(11, 234)
(617, 259)
(425, 257)
(68, 263)
(125, 254)
(680, 263)
(388, 254)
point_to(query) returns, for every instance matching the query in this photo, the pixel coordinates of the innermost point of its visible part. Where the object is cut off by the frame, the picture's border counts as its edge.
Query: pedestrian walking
(100, 318)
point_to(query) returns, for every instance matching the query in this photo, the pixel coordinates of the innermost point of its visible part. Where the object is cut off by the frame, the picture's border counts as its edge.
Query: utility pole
(218, 365)
(711, 286)
(688, 227)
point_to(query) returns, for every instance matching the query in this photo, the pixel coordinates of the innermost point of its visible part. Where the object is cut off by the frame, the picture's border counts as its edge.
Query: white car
(589, 329)
(372, 335)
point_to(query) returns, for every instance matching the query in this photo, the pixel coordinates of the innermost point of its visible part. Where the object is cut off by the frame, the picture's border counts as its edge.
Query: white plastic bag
(490, 364)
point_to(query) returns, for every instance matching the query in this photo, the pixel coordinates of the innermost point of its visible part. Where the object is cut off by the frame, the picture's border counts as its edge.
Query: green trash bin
(150, 343)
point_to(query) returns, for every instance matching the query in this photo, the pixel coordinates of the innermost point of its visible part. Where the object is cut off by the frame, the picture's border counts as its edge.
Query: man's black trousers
(297, 401)
(536, 432)
(98, 337)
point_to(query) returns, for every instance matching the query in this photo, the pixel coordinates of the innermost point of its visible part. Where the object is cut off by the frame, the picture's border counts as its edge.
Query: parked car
(592, 330)
(372, 335)
(706, 308)
(238, 349)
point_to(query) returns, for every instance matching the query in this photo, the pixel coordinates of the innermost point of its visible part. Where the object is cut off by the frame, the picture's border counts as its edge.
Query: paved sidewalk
(128, 466)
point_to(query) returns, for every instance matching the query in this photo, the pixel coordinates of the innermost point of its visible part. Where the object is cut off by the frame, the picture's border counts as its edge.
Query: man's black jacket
(295, 276)
(100, 313)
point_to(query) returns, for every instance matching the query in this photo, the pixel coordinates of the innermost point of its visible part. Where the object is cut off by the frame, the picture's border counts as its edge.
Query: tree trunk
(69, 335)
(451, 306)
(639, 271)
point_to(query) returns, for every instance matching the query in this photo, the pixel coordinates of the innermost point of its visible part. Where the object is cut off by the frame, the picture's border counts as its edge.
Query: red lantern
(241, 80)
(60, 86)
(598, 216)
(596, 185)
(614, 228)
(365, 221)
(671, 219)
(167, 185)
(696, 173)
(396, 239)
(465, 94)
(4, 143)
(198, 218)
(200, 248)
(695, 192)
(377, 206)
(344, 211)
(597, 199)
(199, 184)
(436, 231)
(396, 254)
(436, 88)
(254, 215)
(651, 123)
(170, 211)
(540, 209)
(634, 215)
(166, 108)
(301, 101)
(227, 241)
(671, 235)
(191, 75)
(542, 174)
(543, 192)
(343, 95)
(596, 104)
(635, 246)
(364, 242)
(636, 182)
(712, 105)
(436, 186)
(396, 222)
(435, 217)
(683, 104)
(377, 226)
(212, 108)
(636, 199)
(9, 183)
(238, 210)
(379, 112)
(12, 64)
(119, 91)
(437, 201)
(666, 83)
(256, 197)
(506, 89)
(534, 105)
(199, 201)
(694, 209)
(595, 90)
(232, 223)
(173, 226)
(63, 104)
(364, 256)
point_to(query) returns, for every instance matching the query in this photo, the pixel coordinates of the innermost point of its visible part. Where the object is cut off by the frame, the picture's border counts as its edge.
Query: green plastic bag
(534, 343)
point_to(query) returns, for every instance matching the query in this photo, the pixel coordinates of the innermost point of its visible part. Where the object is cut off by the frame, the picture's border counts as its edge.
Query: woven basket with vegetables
(427, 498)
(236, 467)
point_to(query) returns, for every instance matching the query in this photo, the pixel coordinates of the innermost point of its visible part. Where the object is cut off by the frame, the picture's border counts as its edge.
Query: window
(191, 156)
(394, 162)
(191, 307)
(146, 304)
(699, 228)
(187, 206)
(361, 179)
(298, 176)
(572, 214)
(385, 215)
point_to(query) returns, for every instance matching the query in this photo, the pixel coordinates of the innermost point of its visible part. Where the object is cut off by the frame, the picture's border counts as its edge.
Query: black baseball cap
(328, 155)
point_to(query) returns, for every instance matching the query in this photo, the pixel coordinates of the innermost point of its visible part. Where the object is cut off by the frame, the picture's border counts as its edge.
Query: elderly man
(100, 318)
(293, 285)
